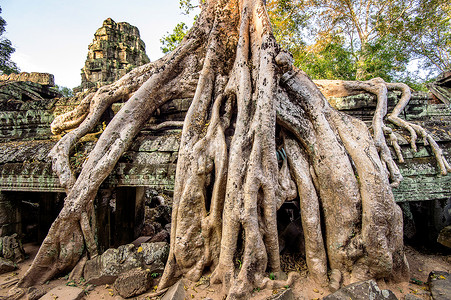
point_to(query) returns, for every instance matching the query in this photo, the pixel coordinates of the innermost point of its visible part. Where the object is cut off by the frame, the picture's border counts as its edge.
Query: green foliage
(6, 49)
(186, 6)
(172, 40)
(345, 39)
(288, 19)
(356, 40)
(65, 91)
(272, 276)
(326, 59)
(428, 34)
(154, 275)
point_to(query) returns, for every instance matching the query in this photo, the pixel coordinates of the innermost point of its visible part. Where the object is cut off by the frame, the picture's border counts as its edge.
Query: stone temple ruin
(134, 202)
(116, 49)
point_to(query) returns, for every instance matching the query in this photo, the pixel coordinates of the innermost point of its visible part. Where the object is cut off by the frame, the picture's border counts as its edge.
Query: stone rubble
(105, 268)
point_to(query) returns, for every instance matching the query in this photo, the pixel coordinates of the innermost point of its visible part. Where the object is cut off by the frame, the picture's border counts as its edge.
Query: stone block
(440, 285)
(105, 268)
(444, 236)
(175, 292)
(132, 283)
(362, 290)
(411, 297)
(140, 240)
(41, 78)
(64, 292)
(6, 265)
(155, 255)
(11, 248)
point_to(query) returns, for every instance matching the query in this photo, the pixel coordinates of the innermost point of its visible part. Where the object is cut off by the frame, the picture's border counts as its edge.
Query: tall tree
(358, 33)
(6, 49)
(248, 103)
(429, 34)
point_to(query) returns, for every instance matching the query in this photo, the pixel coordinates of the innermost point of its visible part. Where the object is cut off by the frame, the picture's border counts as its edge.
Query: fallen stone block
(105, 268)
(411, 297)
(175, 292)
(362, 290)
(440, 285)
(64, 292)
(6, 265)
(132, 283)
(444, 236)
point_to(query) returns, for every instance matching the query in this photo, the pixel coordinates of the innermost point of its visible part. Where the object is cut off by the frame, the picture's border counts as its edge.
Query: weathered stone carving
(116, 49)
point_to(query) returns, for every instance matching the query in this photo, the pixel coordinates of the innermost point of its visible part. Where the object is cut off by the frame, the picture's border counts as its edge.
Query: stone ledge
(41, 78)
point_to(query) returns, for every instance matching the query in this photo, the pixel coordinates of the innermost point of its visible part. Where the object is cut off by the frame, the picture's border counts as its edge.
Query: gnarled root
(414, 129)
(363, 224)
(379, 87)
(87, 115)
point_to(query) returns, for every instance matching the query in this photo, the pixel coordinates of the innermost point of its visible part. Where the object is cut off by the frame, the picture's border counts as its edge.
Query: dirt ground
(421, 264)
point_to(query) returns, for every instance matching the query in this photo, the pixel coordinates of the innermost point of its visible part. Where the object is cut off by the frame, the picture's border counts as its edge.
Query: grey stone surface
(107, 267)
(284, 295)
(444, 236)
(64, 292)
(155, 254)
(162, 236)
(411, 297)
(6, 265)
(132, 283)
(40, 78)
(362, 290)
(11, 248)
(175, 292)
(440, 285)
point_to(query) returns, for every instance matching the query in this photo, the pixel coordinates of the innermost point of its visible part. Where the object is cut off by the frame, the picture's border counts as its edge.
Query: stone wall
(35, 77)
(116, 49)
(422, 179)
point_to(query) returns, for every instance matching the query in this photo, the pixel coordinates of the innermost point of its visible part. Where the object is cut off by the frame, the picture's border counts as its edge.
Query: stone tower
(116, 49)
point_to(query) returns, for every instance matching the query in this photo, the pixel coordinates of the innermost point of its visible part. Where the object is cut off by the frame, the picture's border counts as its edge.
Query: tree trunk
(248, 103)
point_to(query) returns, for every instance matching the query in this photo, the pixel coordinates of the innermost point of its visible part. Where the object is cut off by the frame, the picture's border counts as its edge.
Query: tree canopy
(356, 40)
(6, 49)
(429, 34)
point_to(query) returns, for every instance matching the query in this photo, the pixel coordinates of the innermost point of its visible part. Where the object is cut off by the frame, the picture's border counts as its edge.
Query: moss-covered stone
(116, 49)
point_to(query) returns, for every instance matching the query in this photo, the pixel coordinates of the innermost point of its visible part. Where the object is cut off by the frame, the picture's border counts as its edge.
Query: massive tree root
(378, 87)
(248, 103)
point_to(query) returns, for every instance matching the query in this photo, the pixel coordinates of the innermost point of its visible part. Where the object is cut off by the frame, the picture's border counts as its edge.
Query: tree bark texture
(248, 103)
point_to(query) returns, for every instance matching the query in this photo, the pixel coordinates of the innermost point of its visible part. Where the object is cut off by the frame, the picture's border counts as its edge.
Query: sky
(52, 36)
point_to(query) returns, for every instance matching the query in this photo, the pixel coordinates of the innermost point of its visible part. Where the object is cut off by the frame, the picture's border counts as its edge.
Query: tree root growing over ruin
(248, 103)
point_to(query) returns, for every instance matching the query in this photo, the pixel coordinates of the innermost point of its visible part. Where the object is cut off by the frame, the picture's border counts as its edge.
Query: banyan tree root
(248, 104)
(378, 87)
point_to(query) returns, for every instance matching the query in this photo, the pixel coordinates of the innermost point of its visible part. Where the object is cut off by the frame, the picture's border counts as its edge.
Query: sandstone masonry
(116, 49)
